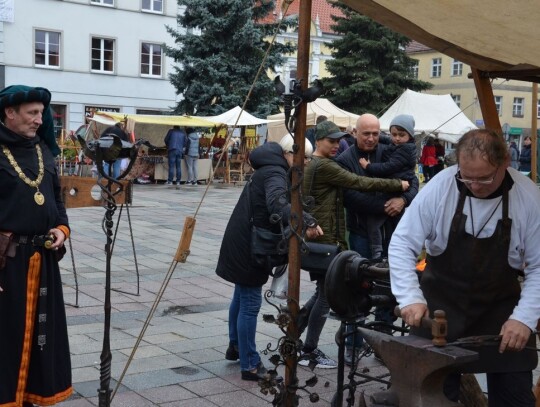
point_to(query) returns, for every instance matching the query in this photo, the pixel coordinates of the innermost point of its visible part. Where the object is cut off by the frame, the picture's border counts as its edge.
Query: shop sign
(90, 110)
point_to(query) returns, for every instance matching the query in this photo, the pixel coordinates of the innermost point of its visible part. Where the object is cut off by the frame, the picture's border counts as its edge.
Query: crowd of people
(477, 223)
(469, 221)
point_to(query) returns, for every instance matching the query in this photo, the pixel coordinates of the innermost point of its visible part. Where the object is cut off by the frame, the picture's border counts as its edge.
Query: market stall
(152, 163)
(243, 127)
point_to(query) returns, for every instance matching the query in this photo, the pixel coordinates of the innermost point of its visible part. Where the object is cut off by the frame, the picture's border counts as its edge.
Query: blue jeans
(175, 162)
(115, 168)
(243, 313)
(191, 164)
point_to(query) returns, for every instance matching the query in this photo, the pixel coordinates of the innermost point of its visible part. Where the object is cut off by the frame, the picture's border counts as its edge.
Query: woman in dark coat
(268, 194)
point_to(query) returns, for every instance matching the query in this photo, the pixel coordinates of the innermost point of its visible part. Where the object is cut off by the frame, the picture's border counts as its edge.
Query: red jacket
(429, 156)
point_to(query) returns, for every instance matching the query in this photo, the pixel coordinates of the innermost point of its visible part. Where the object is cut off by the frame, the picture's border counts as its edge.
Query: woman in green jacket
(324, 180)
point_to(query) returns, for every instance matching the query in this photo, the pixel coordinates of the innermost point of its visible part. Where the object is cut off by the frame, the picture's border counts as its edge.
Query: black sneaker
(232, 352)
(322, 361)
(259, 374)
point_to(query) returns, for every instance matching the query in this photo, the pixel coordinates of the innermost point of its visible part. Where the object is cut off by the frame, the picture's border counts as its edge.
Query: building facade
(321, 38)
(513, 99)
(91, 54)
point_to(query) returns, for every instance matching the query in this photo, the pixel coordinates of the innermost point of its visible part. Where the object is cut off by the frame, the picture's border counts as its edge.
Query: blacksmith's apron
(474, 284)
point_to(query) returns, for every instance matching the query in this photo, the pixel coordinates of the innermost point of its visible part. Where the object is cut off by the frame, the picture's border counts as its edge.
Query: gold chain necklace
(38, 196)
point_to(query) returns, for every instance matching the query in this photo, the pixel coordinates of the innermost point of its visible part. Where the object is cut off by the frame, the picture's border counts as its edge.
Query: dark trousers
(512, 389)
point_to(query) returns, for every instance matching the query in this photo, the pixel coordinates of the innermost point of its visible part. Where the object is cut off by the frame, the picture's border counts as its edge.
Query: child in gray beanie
(398, 161)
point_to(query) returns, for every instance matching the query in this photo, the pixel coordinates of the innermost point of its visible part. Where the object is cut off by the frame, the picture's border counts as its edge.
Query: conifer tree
(370, 68)
(219, 49)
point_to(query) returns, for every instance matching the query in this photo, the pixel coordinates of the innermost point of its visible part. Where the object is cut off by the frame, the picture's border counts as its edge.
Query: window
(457, 100)
(59, 119)
(517, 107)
(436, 67)
(414, 70)
(47, 49)
(102, 55)
(103, 2)
(151, 58)
(457, 68)
(155, 6)
(498, 104)
(538, 110)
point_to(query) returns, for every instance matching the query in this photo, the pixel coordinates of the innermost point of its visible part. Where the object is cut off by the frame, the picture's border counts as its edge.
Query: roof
(415, 47)
(319, 8)
(494, 36)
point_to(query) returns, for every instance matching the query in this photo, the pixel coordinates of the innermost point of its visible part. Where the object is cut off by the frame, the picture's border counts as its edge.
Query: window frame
(46, 52)
(498, 104)
(518, 107)
(102, 3)
(150, 60)
(457, 100)
(436, 67)
(414, 69)
(151, 9)
(457, 68)
(102, 60)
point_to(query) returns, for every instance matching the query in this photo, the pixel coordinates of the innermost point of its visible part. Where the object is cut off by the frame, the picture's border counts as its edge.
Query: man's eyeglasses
(483, 181)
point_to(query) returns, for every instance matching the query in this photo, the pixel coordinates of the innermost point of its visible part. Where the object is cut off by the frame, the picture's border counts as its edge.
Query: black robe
(30, 372)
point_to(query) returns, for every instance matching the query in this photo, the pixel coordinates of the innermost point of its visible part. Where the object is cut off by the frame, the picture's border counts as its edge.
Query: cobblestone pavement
(180, 360)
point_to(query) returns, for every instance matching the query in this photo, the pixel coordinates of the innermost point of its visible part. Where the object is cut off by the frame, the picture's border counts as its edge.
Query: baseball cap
(328, 129)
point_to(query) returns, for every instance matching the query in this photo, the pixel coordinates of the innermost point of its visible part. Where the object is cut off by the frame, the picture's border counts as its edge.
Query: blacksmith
(480, 223)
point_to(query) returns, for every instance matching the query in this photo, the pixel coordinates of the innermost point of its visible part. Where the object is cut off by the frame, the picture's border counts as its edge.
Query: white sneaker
(168, 183)
(323, 361)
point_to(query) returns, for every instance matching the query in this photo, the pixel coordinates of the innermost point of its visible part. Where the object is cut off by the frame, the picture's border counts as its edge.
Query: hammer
(438, 326)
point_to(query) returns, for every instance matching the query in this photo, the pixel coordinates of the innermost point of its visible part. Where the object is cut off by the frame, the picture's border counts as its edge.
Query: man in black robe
(35, 364)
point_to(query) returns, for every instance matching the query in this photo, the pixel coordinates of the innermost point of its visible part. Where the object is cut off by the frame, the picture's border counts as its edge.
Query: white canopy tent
(231, 118)
(433, 114)
(319, 107)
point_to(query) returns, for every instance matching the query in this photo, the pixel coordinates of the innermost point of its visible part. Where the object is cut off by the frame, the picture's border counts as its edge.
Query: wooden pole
(296, 204)
(487, 101)
(534, 133)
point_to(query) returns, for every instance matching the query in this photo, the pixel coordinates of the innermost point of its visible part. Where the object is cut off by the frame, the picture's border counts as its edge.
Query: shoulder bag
(268, 249)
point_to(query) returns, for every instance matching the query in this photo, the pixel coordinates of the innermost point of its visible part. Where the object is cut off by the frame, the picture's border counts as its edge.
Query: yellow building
(512, 98)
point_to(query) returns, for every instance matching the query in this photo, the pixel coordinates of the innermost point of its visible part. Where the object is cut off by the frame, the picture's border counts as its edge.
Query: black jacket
(360, 205)
(525, 158)
(398, 161)
(269, 195)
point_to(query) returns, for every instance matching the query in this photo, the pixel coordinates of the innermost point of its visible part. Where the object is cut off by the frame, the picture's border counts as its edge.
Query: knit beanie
(405, 121)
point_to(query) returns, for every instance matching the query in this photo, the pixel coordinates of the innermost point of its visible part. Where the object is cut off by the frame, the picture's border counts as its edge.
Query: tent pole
(296, 204)
(487, 101)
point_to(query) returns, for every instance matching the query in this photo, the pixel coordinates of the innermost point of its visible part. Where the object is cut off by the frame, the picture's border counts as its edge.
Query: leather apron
(474, 284)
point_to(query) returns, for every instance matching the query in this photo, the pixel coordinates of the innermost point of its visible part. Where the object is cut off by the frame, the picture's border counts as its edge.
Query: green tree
(218, 53)
(369, 67)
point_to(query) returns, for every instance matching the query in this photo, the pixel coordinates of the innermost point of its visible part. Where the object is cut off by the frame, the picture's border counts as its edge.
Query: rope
(174, 263)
